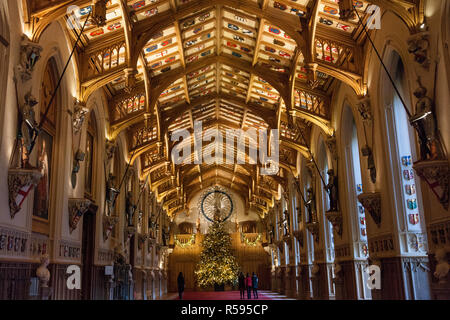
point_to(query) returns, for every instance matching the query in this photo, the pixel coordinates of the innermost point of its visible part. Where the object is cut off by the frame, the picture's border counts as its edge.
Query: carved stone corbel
(365, 111)
(110, 149)
(418, 46)
(142, 238)
(20, 183)
(108, 224)
(129, 232)
(372, 203)
(30, 53)
(311, 168)
(335, 217)
(331, 144)
(130, 174)
(78, 116)
(436, 174)
(77, 207)
(313, 227)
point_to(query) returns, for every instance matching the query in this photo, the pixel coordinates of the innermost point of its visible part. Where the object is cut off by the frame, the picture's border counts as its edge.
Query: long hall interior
(304, 141)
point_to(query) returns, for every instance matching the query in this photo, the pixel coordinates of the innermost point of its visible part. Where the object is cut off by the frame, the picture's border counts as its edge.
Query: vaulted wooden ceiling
(165, 64)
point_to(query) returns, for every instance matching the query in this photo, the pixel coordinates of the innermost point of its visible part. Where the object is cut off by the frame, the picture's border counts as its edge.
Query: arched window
(401, 149)
(355, 208)
(310, 239)
(446, 38)
(323, 207)
(91, 135)
(354, 180)
(325, 201)
(294, 204)
(4, 60)
(45, 148)
(4, 53)
(295, 223)
(116, 182)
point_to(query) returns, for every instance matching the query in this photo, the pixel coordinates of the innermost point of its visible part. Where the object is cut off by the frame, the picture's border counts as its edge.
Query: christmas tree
(217, 265)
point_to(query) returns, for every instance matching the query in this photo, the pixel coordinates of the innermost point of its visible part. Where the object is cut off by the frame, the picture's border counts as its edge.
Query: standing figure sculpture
(286, 222)
(366, 151)
(130, 208)
(164, 236)
(28, 128)
(425, 123)
(311, 205)
(111, 194)
(332, 189)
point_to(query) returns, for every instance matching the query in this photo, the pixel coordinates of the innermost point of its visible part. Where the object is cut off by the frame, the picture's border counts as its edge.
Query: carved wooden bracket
(372, 203)
(108, 223)
(130, 79)
(436, 173)
(313, 227)
(77, 207)
(346, 12)
(20, 183)
(335, 217)
(99, 12)
(311, 74)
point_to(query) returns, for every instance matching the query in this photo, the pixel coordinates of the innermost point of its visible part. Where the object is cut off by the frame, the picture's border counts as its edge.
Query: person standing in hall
(255, 286)
(248, 283)
(180, 281)
(241, 280)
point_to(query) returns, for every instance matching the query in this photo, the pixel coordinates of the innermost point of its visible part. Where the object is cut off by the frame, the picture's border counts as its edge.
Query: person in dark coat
(248, 284)
(180, 281)
(255, 286)
(241, 280)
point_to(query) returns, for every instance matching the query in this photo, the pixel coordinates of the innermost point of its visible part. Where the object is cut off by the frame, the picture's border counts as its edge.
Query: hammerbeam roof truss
(165, 64)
